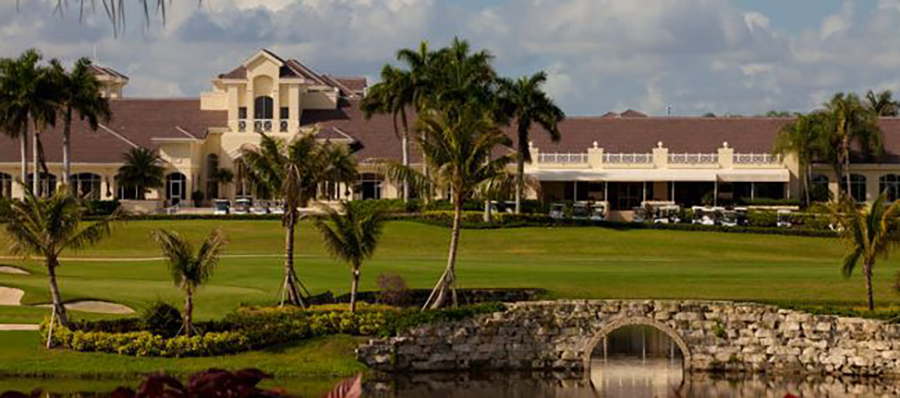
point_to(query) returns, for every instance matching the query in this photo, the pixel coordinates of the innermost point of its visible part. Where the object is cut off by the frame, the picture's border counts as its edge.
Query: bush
(101, 207)
(393, 289)
(390, 206)
(161, 319)
(768, 202)
(443, 204)
(765, 219)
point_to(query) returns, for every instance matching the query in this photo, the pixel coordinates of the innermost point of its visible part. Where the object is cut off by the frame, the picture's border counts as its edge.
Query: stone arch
(620, 322)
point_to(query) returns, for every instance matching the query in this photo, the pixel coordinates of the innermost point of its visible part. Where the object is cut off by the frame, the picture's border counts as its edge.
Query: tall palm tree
(48, 227)
(868, 233)
(526, 103)
(882, 103)
(464, 78)
(393, 95)
(803, 138)
(27, 98)
(351, 236)
(141, 171)
(854, 124)
(291, 171)
(189, 271)
(79, 92)
(460, 151)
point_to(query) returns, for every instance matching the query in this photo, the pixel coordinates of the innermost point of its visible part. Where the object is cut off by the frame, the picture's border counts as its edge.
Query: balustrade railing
(755, 158)
(627, 158)
(563, 158)
(693, 158)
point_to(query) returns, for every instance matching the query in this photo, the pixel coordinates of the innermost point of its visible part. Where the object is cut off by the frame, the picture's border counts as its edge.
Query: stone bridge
(712, 336)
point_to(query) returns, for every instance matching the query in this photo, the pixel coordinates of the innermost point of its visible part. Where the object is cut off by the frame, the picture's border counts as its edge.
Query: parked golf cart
(277, 207)
(221, 207)
(703, 215)
(639, 214)
(784, 219)
(661, 212)
(242, 206)
(261, 207)
(734, 217)
(557, 211)
(581, 211)
(599, 211)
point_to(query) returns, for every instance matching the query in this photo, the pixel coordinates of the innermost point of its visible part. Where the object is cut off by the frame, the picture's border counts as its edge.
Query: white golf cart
(599, 211)
(242, 206)
(703, 215)
(221, 207)
(261, 207)
(663, 212)
(734, 217)
(581, 211)
(784, 219)
(557, 211)
(277, 207)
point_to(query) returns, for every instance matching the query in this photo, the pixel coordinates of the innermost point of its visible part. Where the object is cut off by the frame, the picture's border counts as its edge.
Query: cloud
(697, 56)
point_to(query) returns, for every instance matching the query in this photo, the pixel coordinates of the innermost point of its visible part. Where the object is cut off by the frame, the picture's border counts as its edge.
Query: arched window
(86, 186)
(176, 187)
(369, 186)
(889, 184)
(5, 186)
(818, 188)
(857, 186)
(263, 108)
(47, 185)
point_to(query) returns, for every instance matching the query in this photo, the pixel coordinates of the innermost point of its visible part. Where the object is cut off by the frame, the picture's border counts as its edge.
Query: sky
(691, 56)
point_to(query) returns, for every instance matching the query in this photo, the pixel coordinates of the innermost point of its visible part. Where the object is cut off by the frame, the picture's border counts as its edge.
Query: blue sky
(697, 56)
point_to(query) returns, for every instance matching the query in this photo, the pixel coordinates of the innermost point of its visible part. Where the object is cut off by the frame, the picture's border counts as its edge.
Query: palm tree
(190, 271)
(79, 92)
(804, 138)
(854, 123)
(352, 238)
(27, 97)
(221, 177)
(882, 103)
(393, 95)
(868, 233)
(47, 228)
(291, 171)
(525, 102)
(142, 170)
(460, 155)
(502, 187)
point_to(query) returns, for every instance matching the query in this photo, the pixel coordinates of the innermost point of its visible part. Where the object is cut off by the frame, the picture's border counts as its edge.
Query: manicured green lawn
(569, 262)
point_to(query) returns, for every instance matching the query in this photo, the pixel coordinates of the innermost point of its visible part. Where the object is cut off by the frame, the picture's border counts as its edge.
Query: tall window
(47, 185)
(86, 186)
(176, 187)
(243, 188)
(369, 186)
(5, 186)
(857, 186)
(212, 186)
(818, 188)
(262, 108)
(889, 184)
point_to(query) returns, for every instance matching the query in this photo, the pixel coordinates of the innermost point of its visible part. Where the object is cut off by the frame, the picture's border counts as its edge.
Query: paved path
(13, 327)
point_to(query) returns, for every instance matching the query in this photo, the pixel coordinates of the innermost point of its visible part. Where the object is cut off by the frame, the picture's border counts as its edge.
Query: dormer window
(263, 108)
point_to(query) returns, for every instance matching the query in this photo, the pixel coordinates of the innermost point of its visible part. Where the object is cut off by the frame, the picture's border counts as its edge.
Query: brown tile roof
(135, 121)
(349, 86)
(106, 71)
(633, 113)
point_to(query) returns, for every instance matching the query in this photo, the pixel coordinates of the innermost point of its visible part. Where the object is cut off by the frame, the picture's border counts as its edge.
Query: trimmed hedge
(248, 329)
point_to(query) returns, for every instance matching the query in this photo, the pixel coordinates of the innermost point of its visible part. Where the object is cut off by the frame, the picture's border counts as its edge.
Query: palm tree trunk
(520, 169)
(487, 211)
(54, 292)
(188, 311)
(290, 278)
(23, 139)
(846, 150)
(448, 281)
(354, 285)
(36, 182)
(869, 291)
(67, 147)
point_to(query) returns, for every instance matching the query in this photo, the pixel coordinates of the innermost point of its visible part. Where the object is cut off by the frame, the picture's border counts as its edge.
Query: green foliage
(719, 331)
(763, 219)
(101, 207)
(142, 170)
(388, 206)
(412, 319)
(768, 202)
(161, 319)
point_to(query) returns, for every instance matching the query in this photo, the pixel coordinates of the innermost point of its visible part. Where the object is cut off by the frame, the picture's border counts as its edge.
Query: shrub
(162, 319)
(393, 289)
(390, 206)
(765, 219)
(101, 207)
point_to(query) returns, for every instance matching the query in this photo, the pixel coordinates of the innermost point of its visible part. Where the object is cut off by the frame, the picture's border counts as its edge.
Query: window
(284, 113)
(857, 187)
(242, 185)
(262, 108)
(369, 186)
(127, 193)
(86, 186)
(47, 185)
(5, 186)
(242, 112)
(212, 184)
(889, 185)
(818, 188)
(176, 187)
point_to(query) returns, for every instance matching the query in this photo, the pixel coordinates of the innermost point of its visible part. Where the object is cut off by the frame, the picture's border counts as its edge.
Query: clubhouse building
(624, 158)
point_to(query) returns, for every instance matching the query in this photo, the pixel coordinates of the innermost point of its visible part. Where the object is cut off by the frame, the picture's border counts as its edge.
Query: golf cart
(221, 207)
(734, 217)
(581, 211)
(276, 207)
(599, 211)
(784, 219)
(661, 212)
(557, 211)
(242, 206)
(703, 215)
(639, 214)
(261, 207)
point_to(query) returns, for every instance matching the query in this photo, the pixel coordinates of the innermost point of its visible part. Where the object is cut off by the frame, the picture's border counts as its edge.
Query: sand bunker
(5, 269)
(98, 307)
(10, 296)
(19, 327)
